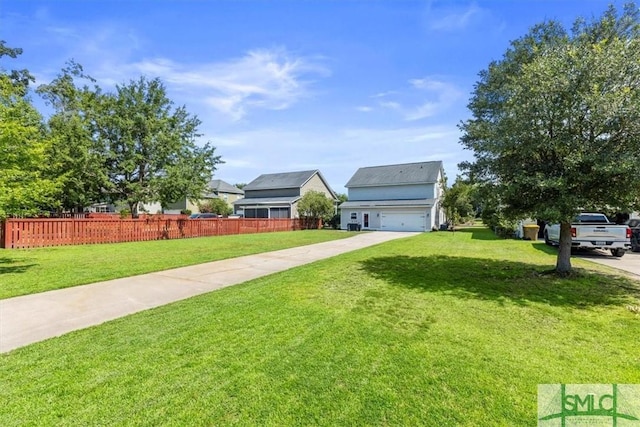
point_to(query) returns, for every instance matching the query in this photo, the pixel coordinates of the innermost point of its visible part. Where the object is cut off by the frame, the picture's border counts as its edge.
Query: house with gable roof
(223, 190)
(216, 188)
(276, 195)
(402, 197)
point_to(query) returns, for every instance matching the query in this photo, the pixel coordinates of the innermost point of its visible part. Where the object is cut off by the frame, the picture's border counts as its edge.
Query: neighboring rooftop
(408, 173)
(281, 180)
(220, 186)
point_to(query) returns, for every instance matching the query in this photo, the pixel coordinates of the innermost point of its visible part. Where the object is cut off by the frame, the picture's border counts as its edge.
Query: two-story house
(404, 197)
(276, 195)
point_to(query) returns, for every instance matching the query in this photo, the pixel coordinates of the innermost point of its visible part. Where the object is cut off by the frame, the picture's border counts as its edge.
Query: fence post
(3, 234)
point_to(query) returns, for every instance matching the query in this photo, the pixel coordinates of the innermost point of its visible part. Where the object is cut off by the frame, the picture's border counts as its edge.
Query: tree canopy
(150, 147)
(24, 188)
(315, 205)
(127, 146)
(555, 124)
(75, 157)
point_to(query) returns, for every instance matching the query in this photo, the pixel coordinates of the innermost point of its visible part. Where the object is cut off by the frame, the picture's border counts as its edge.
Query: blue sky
(293, 85)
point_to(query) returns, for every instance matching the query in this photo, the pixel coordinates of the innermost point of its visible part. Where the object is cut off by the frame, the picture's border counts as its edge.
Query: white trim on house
(366, 220)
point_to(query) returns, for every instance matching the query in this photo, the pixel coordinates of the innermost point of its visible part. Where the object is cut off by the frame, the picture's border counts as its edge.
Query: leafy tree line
(128, 146)
(555, 124)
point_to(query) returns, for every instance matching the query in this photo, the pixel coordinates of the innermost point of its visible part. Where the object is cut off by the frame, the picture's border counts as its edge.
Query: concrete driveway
(630, 262)
(31, 318)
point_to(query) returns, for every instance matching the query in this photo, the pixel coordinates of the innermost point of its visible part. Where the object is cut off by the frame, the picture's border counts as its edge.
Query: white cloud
(453, 18)
(261, 79)
(423, 111)
(440, 94)
(267, 79)
(364, 109)
(384, 94)
(392, 105)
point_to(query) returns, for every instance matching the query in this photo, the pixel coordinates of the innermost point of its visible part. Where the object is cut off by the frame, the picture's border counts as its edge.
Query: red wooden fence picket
(17, 233)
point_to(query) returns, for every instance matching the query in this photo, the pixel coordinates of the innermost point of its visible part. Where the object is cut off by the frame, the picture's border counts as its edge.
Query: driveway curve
(630, 262)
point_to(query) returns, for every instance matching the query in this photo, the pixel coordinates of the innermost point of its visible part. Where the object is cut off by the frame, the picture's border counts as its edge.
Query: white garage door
(403, 221)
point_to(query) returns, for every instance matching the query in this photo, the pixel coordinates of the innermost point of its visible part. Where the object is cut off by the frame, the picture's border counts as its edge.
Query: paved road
(31, 318)
(630, 262)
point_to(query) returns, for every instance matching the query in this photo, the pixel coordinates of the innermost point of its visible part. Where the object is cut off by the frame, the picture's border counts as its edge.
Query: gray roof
(387, 203)
(408, 173)
(220, 186)
(266, 200)
(280, 180)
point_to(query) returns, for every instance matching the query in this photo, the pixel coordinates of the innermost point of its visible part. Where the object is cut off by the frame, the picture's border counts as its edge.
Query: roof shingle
(407, 173)
(220, 186)
(280, 180)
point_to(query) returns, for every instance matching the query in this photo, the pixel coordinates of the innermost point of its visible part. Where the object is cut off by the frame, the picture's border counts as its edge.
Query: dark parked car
(203, 215)
(634, 225)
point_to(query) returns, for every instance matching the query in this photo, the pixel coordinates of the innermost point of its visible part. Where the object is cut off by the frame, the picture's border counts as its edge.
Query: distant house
(276, 195)
(217, 188)
(404, 197)
(101, 208)
(223, 190)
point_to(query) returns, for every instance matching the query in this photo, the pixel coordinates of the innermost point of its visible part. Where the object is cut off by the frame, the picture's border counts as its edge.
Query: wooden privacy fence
(32, 233)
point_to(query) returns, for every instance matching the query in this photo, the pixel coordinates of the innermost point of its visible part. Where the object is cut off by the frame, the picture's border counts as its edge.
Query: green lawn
(439, 329)
(28, 271)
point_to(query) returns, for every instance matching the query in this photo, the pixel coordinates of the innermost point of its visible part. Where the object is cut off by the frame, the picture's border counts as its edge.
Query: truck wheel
(617, 252)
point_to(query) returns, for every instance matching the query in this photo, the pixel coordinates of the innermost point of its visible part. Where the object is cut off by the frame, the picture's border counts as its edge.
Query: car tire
(618, 252)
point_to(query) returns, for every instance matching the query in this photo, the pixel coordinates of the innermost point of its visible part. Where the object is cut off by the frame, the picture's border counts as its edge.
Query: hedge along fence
(33, 233)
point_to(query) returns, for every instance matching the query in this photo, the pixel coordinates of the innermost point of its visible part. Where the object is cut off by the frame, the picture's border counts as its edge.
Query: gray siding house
(276, 195)
(223, 190)
(404, 197)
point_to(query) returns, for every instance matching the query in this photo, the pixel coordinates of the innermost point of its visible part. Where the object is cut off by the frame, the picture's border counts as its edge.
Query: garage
(403, 221)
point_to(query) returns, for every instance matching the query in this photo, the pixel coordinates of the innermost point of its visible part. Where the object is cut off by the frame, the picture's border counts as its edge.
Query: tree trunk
(133, 207)
(563, 263)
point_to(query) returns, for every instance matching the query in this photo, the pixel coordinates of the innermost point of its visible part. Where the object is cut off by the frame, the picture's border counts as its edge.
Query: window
(256, 213)
(354, 216)
(279, 213)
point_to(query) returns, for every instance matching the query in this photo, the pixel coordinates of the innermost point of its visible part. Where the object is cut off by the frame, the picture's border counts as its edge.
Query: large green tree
(24, 190)
(150, 147)
(75, 156)
(555, 124)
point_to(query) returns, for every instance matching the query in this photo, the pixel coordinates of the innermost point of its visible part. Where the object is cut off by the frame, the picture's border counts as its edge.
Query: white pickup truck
(593, 231)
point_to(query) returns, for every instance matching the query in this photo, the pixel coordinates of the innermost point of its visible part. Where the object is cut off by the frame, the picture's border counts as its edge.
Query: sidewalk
(32, 318)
